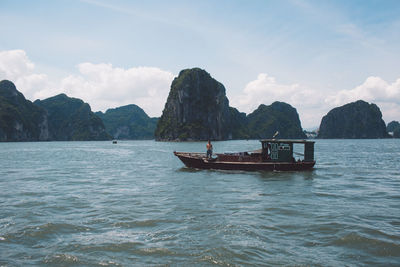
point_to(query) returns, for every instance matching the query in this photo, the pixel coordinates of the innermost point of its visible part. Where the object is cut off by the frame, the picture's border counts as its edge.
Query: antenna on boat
(277, 132)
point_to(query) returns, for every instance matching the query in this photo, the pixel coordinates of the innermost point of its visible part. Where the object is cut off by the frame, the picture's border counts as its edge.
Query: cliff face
(20, 119)
(196, 109)
(128, 122)
(354, 120)
(71, 119)
(279, 116)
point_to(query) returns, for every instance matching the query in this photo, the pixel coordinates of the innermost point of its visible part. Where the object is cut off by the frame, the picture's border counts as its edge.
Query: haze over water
(134, 203)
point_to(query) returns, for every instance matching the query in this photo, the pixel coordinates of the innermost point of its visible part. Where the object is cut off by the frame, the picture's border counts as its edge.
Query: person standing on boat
(209, 149)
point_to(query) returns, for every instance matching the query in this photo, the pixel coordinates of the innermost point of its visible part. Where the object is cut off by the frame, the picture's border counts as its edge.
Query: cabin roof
(288, 141)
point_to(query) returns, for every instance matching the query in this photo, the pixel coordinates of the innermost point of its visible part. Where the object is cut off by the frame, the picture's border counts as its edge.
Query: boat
(274, 155)
(114, 141)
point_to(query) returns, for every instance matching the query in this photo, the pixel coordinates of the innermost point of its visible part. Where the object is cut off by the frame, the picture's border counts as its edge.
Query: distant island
(128, 122)
(62, 118)
(71, 119)
(197, 108)
(59, 118)
(354, 120)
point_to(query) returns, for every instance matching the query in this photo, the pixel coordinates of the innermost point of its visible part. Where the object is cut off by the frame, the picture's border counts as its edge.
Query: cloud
(105, 86)
(14, 63)
(265, 89)
(101, 85)
(313, 104)
(373, 89)
(16, 67)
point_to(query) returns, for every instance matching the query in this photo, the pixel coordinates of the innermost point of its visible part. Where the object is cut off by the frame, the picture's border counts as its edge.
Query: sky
(314, 55)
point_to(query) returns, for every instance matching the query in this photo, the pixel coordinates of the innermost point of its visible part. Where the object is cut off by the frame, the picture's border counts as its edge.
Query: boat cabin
(281, 150)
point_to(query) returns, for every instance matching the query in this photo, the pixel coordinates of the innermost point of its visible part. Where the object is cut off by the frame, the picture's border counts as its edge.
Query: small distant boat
(114, 141)
(274, 155)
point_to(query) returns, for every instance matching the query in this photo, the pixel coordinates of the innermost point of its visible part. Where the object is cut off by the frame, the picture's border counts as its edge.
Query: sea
(135, 204)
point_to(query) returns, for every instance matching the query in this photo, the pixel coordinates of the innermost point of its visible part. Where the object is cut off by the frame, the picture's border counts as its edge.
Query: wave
(61, 259)
(145, 223)
(374, 246)
(42, 231)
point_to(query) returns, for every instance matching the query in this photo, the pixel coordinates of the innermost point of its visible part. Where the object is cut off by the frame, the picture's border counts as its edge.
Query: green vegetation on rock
(128, 122)
(196, 109)
(20, 119)
(238, 124)
(354, 120)
(71, 119)
(279, 116)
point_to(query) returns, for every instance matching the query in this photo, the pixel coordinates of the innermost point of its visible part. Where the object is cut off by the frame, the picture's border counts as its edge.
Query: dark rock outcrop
(394, 127)
(71, 119)
(196, 109)
(354, 120)
(128, 122)
(20, 119)
(279, 116)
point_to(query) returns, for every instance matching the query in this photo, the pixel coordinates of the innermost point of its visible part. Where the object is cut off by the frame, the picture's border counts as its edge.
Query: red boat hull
(193, 160)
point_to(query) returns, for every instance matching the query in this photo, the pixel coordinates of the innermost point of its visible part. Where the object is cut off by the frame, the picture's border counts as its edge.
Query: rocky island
(71, 119)
(355, 120)
(196, 109)
(128, 122)
(59, 118)
(279, 116)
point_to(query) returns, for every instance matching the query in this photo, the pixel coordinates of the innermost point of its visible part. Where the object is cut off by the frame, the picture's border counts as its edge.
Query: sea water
(134, 203)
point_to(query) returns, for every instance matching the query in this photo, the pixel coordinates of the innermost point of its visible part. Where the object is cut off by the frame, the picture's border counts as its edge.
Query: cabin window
(274, 151)
(274, 147)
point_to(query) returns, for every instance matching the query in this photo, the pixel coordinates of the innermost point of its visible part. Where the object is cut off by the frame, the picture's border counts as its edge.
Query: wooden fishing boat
(274, 155)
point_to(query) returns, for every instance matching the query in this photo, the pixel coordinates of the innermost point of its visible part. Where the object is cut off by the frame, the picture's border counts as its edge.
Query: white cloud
(104, 86)
(101, 85)
(16, 67)
(14, 63)
(374, 89)
(313, 104)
